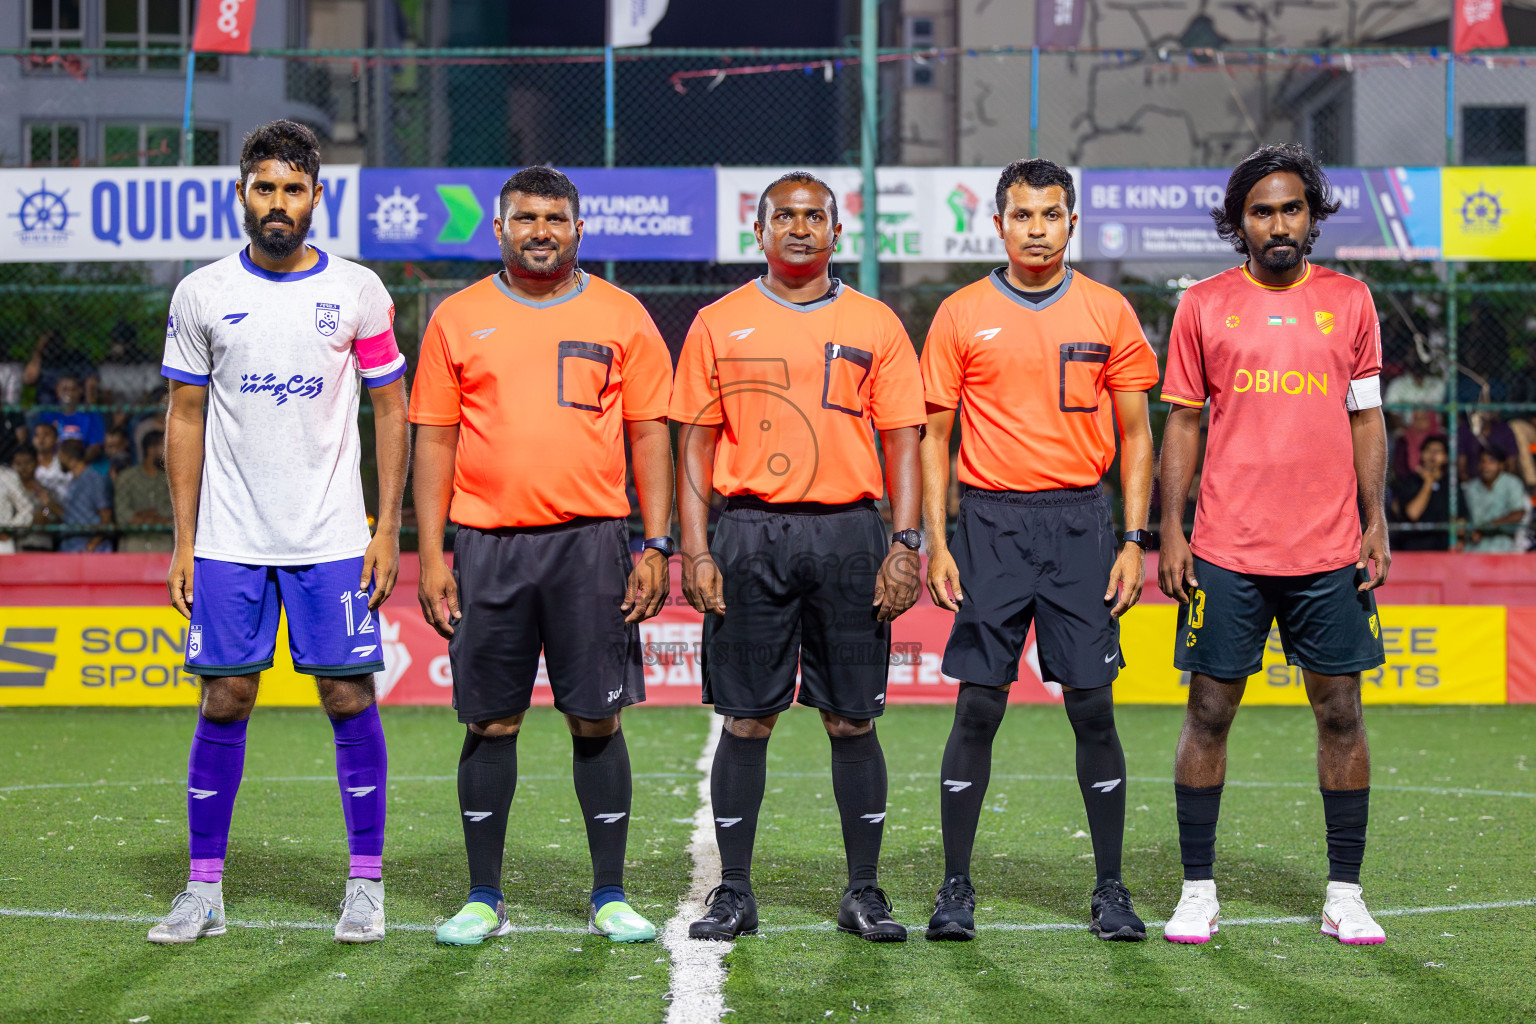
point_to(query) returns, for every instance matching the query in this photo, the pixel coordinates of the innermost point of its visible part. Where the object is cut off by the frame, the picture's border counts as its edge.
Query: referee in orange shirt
(1042, 363)
(528, 382)
(782, 386)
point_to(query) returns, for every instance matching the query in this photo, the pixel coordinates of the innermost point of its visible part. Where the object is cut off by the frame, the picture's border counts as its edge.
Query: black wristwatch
(911, 538)
(666, 545)
(1141, 538)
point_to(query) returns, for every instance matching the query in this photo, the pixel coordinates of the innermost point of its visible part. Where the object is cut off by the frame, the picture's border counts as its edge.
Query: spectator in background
(46, 507)
(50, 471)
(86, 427)
(142, 426)
(1418, 425)
(144, 498)
(15, 509)
(116, 454)
(1496, 504)
(1424, 498)
(1479, 432)
(13, 434)
(87, 501)
(127, 378)
(1416, 385)
(52, 360)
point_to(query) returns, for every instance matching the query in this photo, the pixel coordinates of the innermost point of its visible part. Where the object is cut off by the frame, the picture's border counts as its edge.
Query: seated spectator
(46, 507)
(116, 454)
(86, 427)
(52, 360)
(141, 427)
(1417, 385)
(1525, 450)
(87, 501)
(1496, 504)
(144, 498)
(1480, 431)
(1421, 423)
(126, 377)
(1424, 498)
(15, 509)
(50, 471)
(13, 434)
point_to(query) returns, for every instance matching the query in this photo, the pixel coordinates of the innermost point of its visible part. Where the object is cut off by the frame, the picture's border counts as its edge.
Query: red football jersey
(1278, 489)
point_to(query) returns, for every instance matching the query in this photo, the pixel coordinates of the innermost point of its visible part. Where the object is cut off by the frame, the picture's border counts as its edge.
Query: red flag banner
(1478, 25)
(224, 26)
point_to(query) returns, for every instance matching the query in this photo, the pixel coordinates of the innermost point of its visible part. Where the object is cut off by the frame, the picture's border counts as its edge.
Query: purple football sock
(213, 779)
(362, 771)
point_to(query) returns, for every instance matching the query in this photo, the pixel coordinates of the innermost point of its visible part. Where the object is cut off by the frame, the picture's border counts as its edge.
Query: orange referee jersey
(1031, 380)
(540, 391)
(799, 392)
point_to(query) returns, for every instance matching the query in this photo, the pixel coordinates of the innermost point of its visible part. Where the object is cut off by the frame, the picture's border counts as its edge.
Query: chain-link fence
(1456, 336)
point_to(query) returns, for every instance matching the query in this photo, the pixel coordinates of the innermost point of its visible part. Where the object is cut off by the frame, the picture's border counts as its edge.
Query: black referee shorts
(1326, 624)
(558, 588)
(799, 593)
(1042, 557)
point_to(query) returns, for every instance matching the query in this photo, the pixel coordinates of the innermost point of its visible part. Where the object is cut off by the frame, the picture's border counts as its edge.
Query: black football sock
(736, 791)
(1100, 774)
(1198, 807)
(966, 770)
(603, 786)
(487, 780)
(1345, 812)
(859, 785)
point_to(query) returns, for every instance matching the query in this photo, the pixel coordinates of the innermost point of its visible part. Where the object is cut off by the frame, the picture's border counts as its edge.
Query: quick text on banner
(187, 209)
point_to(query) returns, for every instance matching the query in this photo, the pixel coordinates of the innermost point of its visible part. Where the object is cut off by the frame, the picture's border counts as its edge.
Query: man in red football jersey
(1289, 357)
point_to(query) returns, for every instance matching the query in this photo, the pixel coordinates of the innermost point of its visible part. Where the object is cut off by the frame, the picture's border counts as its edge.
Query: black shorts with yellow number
(1326, 624)
(799, 592)
(1041, 557)
(556, 588)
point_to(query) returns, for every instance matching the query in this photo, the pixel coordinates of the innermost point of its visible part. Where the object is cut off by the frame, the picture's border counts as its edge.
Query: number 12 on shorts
(361, 596)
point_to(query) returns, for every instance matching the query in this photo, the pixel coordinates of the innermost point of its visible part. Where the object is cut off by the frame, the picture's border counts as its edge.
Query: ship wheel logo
(44, 216)
(1481, 210)
(396, 217)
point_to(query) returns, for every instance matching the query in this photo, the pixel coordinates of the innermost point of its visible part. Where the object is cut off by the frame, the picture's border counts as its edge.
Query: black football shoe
(1114, 915)
(954, 912)
(731, 913)
(866, 913)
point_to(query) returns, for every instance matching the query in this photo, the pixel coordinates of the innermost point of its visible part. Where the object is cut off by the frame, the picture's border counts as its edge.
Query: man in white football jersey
(269, 509)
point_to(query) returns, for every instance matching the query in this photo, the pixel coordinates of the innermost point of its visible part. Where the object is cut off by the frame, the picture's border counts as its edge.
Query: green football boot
(474, 924)
(620, 923)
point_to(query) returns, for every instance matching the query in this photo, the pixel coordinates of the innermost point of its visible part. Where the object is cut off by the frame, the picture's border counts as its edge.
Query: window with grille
(155, 145)
(1493, 136)
(54, 143)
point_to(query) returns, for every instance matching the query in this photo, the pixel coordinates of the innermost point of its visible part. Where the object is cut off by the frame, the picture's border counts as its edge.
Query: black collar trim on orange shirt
(1035, 301)
(581, 286)
(832, 296)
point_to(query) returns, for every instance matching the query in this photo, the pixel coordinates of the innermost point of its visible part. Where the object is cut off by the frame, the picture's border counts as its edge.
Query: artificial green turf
(110, 839)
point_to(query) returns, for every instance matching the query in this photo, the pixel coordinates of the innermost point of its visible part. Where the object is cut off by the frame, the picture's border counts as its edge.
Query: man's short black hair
(797, 177)
(155, 438)
(73, 449)
(47, 425)
(1257, 166)
(1439, 439)
(292, 143)
(24, 449)
(1495, 451)
(1036, 174)
(543, 182)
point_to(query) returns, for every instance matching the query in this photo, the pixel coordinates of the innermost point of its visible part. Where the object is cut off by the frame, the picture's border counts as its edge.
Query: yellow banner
(1488, 213)
(128, 657)
(1436, 654)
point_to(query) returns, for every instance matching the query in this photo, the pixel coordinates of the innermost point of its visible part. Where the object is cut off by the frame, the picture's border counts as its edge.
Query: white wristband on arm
(1364, 393)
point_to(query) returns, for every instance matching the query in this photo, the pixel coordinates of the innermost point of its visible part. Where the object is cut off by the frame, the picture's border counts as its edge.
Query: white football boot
(1346, 919)
(192, 916)
(362, 912)
(1194, 919)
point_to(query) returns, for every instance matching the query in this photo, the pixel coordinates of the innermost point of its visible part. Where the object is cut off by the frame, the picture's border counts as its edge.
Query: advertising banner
(1489, 213)
(925, 215)
(1389, 213)
(132, 656)
(630, 213)
(1436, 654)
(120, 214)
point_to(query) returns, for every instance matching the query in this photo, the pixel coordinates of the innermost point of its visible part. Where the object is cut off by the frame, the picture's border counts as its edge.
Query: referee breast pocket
(1081, 364)
(585, 369)
(843, 378)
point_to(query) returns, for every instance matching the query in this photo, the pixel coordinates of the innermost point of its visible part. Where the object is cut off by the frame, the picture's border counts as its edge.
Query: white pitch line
(721, 948)
(697, 972)
(104, 784)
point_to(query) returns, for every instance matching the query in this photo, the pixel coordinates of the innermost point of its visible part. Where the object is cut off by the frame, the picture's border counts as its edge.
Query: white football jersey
(281, 355)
